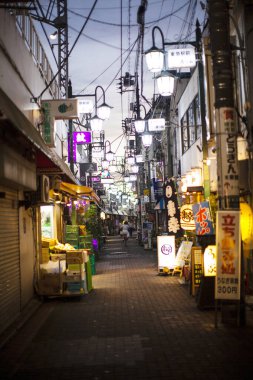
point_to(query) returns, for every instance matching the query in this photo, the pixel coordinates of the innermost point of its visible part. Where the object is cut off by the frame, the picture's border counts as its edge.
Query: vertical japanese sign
(202, 217)
(227, 153)
(78, 138)
(197, 267)
(48, 126)
(228, 243)
(172, 209)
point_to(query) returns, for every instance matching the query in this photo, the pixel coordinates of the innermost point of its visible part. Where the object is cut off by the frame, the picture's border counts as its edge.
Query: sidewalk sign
(197, 265)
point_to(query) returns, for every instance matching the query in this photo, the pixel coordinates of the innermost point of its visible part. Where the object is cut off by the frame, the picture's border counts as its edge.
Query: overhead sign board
(156, 125)
(78, 138)
(181, 58)
(61, 108)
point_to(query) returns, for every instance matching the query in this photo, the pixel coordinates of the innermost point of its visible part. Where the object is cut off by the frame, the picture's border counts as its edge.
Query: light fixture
(139, 125)
(132, 177)
(108, 155)
(146, 139)
(103, 111)
(96, 124)
(155, 56)
(131, 159)
(134, 169)
(54, 35)
(126, 177)
(165, 83)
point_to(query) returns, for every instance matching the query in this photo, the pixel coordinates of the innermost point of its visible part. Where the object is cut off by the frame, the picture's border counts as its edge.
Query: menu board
(196, 267)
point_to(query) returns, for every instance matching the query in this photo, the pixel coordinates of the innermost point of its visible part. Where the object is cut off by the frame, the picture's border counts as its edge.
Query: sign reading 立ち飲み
(228, 244)
(166, 252)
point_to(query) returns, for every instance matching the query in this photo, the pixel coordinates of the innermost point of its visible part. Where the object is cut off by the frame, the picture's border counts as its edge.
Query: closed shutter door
(9, 258)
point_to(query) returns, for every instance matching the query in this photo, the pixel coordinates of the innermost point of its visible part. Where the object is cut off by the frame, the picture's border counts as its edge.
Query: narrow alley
(134, 324)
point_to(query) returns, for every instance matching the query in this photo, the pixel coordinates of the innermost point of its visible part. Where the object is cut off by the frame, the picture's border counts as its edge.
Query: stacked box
(76, 267)
(76, 286)
(72, 236)
(45, 255)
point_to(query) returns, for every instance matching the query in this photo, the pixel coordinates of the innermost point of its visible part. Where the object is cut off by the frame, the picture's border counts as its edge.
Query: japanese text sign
(78, 138)
(202, 217)
(228, 245)
(172, 209)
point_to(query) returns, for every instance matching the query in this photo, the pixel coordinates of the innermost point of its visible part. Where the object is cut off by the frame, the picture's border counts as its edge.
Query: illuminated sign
(228, 245)
(166, 252)
(181, 58)
(78, 138)
(210, 261)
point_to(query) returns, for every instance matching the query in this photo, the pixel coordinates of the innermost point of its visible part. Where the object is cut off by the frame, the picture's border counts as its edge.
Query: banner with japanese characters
(202, 218)
(172, 209)
(228, 245)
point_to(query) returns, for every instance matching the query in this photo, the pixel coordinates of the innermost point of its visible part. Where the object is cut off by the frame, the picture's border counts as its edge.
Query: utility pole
(228, 231)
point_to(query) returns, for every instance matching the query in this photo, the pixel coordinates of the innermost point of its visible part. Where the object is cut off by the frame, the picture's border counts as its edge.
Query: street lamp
(155, 56)
(155, 59)
(108, 155)
(139, 124)
(103, 111)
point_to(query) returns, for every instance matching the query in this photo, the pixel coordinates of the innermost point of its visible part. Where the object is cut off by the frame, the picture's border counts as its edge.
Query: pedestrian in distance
(125, 232)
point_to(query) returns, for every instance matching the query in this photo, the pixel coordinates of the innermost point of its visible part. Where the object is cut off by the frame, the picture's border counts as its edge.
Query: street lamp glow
(131, 160)
(154, 59)
(146, 139)
(105, 164)
(139, 125)
(165, 83)
(96, 124)
(104, 111)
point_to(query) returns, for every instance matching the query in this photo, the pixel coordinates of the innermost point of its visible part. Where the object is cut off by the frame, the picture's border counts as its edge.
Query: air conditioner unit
(44, 189)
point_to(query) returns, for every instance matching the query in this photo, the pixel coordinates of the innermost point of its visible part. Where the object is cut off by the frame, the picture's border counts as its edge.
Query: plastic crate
(72, 228)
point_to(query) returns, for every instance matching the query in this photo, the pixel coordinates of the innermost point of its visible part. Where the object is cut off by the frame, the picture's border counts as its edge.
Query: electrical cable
(70, 51)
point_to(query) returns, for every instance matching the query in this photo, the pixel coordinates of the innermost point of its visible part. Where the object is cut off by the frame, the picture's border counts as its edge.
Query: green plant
(93, 222)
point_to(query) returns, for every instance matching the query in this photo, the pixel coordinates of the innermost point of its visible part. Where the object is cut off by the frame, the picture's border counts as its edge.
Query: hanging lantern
(146, 139)
(139, 125)
(104, 111)
(96, 124)
(246, 221)
(165, 83)
(131, 160)
(109, 156)
(135, 169)
(105, 164)
(154, 59)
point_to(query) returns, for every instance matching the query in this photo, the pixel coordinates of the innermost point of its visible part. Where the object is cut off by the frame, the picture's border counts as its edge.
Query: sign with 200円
(228, 245)
(166, 252)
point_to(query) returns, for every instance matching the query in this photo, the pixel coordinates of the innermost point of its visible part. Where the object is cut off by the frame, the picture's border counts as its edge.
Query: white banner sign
(228, 247)
(166, 252)
(181, 58)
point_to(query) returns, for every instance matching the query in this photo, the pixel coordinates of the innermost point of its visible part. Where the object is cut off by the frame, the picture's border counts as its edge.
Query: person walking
(125, 232)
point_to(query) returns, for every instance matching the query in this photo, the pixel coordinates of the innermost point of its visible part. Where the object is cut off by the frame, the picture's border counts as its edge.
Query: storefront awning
(78, 190)
(47, 160)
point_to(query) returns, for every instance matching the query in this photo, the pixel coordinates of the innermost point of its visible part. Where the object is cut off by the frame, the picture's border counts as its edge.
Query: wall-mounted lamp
(155, 56)
(109, 155)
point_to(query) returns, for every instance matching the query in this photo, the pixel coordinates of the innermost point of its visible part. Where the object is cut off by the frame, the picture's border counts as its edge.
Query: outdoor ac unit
(44, 188)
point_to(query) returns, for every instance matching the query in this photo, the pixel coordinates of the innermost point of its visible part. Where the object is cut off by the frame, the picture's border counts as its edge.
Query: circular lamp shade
(96, 124)
(165, 83)
(147, 139)
(104, 111)
(154, 59)
(109, 156)
(139, 126)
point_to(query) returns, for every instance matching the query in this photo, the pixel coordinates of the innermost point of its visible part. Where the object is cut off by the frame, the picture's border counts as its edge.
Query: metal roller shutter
(9, 258)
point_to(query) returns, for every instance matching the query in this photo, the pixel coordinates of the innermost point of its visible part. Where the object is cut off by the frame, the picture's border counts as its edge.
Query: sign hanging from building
(156, 125)
(181, 58)
(186, 218)
(228, 171)
(48, 126)
(78, 138)
(61, 109)
(210, 261)
(172, 209)
(202, 217)
(228, 245)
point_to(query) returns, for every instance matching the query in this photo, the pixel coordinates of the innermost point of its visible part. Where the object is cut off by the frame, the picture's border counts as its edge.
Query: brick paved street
(134, 324)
